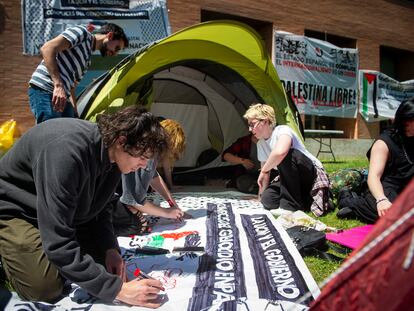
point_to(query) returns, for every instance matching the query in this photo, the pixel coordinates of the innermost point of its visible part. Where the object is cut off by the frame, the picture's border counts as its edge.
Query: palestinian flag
(368, 94)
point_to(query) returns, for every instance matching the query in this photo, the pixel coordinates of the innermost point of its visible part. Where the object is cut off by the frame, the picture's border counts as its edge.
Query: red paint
(137, 272)
(177, 235)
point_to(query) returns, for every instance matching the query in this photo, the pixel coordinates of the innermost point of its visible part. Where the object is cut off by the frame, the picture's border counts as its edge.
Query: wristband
(171, 203)
(380, 200)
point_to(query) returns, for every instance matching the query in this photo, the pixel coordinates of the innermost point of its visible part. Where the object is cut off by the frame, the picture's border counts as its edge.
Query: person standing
(65, 60)
(55, 218)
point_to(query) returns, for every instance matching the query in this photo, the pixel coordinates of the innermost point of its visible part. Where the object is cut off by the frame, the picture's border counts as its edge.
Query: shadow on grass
(334, 162)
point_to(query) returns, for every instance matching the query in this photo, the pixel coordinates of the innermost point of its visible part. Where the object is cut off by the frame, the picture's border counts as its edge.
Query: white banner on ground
(248, 262)
(381, 95)
(143, 21)
(320, 77)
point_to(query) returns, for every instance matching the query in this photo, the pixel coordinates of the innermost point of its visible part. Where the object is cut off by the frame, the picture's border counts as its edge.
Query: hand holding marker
(139, 273)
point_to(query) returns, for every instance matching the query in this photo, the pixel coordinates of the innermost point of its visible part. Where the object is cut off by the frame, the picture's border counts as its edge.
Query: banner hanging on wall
(320, 77)
(143, 21)
(381, 95)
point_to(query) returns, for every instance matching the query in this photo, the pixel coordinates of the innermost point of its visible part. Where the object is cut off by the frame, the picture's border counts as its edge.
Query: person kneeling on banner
(176, 135)
(302, 183)
(55, 220)
(128, 215)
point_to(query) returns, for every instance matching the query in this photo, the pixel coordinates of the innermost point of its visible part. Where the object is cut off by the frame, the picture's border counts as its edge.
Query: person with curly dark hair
(391, 167)
(55, 220)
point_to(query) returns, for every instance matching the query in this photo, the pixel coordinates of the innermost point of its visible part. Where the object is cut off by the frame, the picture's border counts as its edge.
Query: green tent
(205, 76)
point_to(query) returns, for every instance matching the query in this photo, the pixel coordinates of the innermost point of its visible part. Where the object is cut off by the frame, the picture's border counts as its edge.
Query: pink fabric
(351, 238)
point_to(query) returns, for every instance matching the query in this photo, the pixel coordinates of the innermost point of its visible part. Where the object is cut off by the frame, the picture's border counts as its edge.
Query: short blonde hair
(261, 112)
(176, 137)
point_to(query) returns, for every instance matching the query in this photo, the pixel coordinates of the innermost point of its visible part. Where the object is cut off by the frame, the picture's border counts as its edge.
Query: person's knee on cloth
(247, 183)
(45, 290)
(270, 198)
(267, 200)
(41, 287)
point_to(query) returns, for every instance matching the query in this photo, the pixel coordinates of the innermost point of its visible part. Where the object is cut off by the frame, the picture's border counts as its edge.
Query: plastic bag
(299, 218)
(6, 134)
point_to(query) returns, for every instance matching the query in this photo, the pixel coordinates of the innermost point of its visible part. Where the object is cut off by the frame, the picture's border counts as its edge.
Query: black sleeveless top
(399, 169)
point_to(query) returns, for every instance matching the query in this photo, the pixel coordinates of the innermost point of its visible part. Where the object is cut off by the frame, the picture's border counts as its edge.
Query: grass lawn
(321, 268)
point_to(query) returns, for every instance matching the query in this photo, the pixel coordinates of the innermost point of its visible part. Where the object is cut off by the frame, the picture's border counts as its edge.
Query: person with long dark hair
(391, 167)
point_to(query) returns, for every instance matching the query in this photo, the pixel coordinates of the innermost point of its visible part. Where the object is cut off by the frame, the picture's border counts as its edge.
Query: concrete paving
(342, 148)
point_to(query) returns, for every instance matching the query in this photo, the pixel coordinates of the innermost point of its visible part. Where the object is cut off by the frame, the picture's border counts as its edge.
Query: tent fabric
(205, 114)
(221, 65)
(379, 274)
(195, 128)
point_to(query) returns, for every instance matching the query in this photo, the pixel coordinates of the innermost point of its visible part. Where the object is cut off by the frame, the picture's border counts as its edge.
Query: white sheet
(249, 261)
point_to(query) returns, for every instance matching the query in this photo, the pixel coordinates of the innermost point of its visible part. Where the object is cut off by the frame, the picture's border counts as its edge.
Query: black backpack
(307, 239)
(311, 242)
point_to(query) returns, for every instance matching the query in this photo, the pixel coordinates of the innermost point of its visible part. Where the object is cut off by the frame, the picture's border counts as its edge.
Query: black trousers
(292, 190)
(247, 182)
(364, 206)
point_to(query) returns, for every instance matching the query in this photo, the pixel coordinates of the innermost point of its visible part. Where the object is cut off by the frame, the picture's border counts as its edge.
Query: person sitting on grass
(243, 154)
(391, 167)
(55, 220)
(302, 183)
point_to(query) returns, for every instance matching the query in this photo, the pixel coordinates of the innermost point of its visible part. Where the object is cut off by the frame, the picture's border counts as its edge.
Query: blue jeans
(41, 105)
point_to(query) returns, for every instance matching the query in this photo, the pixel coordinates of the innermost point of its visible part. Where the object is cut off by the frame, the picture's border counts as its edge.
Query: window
(339, 41)
(396, 63)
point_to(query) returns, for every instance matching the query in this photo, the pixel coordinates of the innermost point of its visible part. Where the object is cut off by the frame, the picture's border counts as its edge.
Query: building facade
(381, 30)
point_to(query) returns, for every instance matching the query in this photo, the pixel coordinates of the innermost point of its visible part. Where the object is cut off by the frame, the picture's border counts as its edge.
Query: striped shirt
(72, 63)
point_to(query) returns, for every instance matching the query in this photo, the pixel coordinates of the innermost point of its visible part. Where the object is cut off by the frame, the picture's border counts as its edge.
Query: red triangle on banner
(370, 77)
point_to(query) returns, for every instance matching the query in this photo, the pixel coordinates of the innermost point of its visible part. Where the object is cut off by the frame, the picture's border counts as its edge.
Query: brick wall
(15, 69)
(372, 23)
